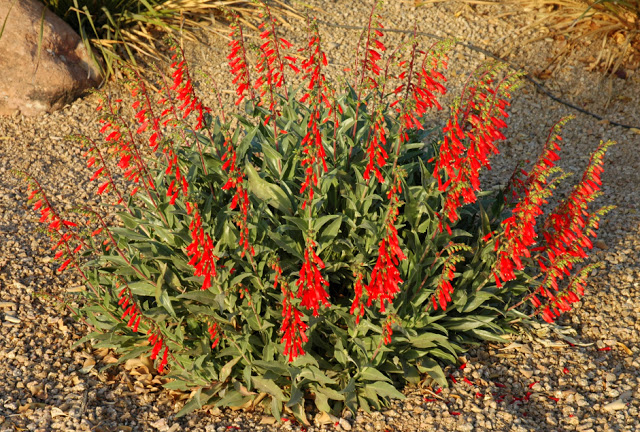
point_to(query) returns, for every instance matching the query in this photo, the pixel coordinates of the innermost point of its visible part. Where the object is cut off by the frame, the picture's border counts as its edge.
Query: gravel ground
(581, 375)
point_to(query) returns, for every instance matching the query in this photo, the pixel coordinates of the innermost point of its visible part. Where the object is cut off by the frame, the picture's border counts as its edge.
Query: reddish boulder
(32, 83)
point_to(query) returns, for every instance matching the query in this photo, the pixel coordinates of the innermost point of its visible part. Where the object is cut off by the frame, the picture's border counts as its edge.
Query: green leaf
(329, 233)
(330, 393)
(434, 370)
(322, 402)
(143, 288)
(316, 375)
(232, 398)
(227, 368)
(477, 299)
(372, 374)
(466, 322)
(205, 297)
(268, 386)
(488, 336)
(165, 302)
(288, 244)
(268, 192)
(385, 389)
(196, 402)
(278, 368)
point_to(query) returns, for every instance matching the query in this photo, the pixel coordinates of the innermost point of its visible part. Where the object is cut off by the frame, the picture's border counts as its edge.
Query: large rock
(62, 72)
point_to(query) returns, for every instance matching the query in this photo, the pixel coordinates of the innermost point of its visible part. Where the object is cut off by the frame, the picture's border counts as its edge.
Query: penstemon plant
(324, 245)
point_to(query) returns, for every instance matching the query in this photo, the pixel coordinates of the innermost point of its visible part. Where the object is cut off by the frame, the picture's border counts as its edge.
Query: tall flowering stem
(358, 302)
(471, 135)
(313, 162)
(238, 62)
(387, 333)
(444, 288)
(376, 151)
(519, 233)
(201, 249)
(95, 157)
(568, 229)
(422, 82)
(293, 328)
(68, 243)
(385, 276)
(310, 282)
(373, 49)
(272, 63)
(236, 182)
(183, 87)
(122, 144)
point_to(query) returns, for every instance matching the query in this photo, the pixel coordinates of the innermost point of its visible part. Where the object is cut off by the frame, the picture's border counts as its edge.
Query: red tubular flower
(470, 136)
(357, 300)
(314, 162)
(201, 250)
(385, 277)
(376, 151)
(444, 288)
(214, 334)
(293, 328)
(519, 228)
(185, 93)
(68, 242)
(271, 63)
(418, 92)
(163, 362)
(311, 283)
(121, 143)
(567, 231)
(238, 63)
(372, 51)
(240, 198)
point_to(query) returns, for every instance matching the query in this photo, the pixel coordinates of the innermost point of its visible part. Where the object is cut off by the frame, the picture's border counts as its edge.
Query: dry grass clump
(126, 30)
(613, 24)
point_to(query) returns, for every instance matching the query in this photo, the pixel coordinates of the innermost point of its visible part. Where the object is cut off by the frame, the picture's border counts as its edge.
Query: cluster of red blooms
(387, 331)
(519, 228)
(476, 119)
(201, 249)
(357, 300)
(238, 63)
(292, 328)
(132, 311)
(55, 225)
(377, 154)
(445, 289)
(566, 234)
(385, 277)
(123, 148)
(311, 282)
(313, 148)
(563, 301)
(184, 88)
(372, 55)
(130, 308)
(156, 340)
(372, 50)
(422, 84)
(145, 115)
(239, 68)
(240, 198)
(214, 334)
(270, 67)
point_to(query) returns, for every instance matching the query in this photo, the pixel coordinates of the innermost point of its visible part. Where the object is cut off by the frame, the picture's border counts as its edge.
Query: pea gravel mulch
(582, 374)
